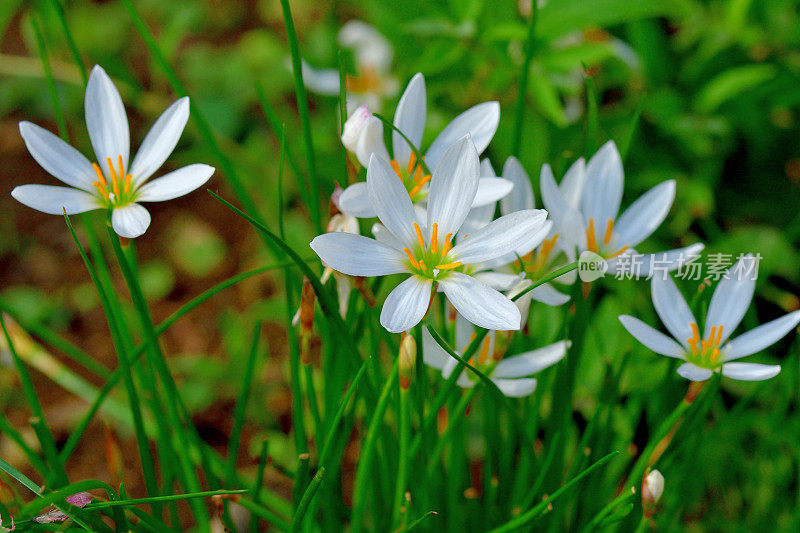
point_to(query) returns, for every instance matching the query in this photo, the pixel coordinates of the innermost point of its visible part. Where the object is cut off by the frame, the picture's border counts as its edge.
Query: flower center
(430, 261)
(413, 178)
(116, 191)
(603, 250)
(705, 352)
(368, 81)
(542, 255)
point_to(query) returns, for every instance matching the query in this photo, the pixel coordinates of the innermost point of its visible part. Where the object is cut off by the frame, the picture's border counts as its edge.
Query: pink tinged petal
(759, 338)
(731, 298)
(130, 221)
(160, 141)
(490, 190)
(81, 499)
(58, 158)
(479, 303)
(642, 218)
(515, 388)
(652, 338)
(409, 117)
(529, 363)
(453, 187)
(357, 255)
(549, 295)
(406, 304)
(573, 183)
(479, 121)
(390, 200)
(750, 371)
(672, 308)
(54, 200)
(521, 197)
(603, 191)
(503, 236)
(354, 200)
(176, 183)
(370, 141)
(693, 372)
(106, 120)
(432, 354)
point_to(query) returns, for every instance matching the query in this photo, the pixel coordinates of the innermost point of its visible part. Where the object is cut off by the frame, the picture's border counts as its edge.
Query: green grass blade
(522, 88)
(308, 497)
(76, 56)
(415, 149)
(48, 73)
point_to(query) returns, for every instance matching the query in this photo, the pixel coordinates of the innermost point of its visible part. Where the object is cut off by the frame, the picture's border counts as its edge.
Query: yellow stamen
(101, 188)
(411, 257)
(100, 177)
(434, 237)
(113, 175)
(712, 335)
(447, 244)
(448, 266)
(719, 336)
(715, 354)
(591, 239)
(609, 231)
(127, 187)
(396, 167)
(694, 338)
(419, 235)
(618, 252)
(419, 186)
(703, 346)
(484, 353)
(422, 265)
(417, 174)
(412, 162)
(121, 168)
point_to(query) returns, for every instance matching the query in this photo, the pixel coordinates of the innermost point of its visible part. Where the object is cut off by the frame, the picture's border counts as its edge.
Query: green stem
(400, 512)
(522, 89)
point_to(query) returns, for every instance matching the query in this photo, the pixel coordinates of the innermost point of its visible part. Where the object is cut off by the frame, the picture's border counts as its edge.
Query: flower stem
(519, 113)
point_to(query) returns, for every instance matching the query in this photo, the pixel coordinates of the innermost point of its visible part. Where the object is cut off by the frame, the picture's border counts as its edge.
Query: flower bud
(408, 356)
(353, 127)
(306, 312)
(652, 487)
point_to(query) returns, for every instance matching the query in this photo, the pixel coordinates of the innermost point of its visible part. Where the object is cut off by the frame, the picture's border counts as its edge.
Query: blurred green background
(704, 92)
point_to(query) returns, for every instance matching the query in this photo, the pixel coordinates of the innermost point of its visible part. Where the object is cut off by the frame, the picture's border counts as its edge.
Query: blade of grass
(342, 90)
(277, 128)
(76, 56)
(302, 109)
(51, 85)
(258, 482)
(420, 157)
(522, 88)
(308, 496)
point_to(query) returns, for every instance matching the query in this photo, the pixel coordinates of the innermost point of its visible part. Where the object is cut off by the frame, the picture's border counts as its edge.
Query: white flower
(479, 121)
(510, 374)
(373, 57)
(425, 249)
(712, 352)
(111, 183)
(653, 487)
(595, 224)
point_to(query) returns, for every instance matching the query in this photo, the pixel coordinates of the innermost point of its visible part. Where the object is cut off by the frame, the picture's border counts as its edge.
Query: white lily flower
(373, 57)
(425, 249)
(512, 375)
(712, 352)
(595, 224)
(111, 183)
(479, 121)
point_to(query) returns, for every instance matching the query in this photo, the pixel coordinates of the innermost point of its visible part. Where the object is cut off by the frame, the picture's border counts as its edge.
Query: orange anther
(420, 240)
(609, 231)
(412, 162)
(411, 257)
(448, 266)
(591, 238)
(434, 237)
(447, 244)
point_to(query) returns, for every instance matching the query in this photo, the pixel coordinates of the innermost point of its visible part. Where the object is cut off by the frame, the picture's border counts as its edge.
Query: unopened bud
(652, 487)
(307, 298)
(353, 127)
(408, 356)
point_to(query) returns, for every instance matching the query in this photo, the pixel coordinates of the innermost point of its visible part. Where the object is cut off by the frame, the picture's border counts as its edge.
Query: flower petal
(572, 183)
(750, 371)
(54, 200)
(529, 363)
(370, 141)
(433, 354)
(499, 281)
(57, 157)
(693, 372)
(406, 305)
(453, 187)
(503, 236)
(490, 190)
(324, 81)
(487, 171)
(385, 236)
(357, 255)
(645, 214)
(731, 298)
(672, 308)
(477, 218)
(603, 191)
(521, 197)
(130, 221)
(409, 117)
(176, 183)
(390, 200)
(479, 303)
(106, 120)
(160, 141)
(479, 121)
(568, 220)
(354, 200)
(548, 295)
(759, 338)
(652, 338)
(515, 388)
